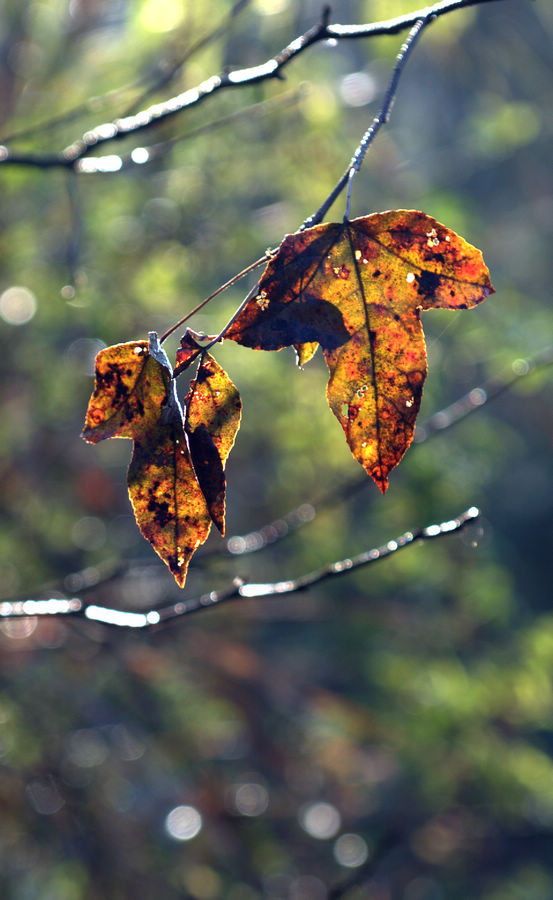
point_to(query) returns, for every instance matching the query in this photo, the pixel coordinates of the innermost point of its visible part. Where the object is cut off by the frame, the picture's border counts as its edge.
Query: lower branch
(151, 618)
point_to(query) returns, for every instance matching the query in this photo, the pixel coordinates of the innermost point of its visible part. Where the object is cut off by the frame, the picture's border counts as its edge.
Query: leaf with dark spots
(357, 288)
(213, 411)
(289, 308)
(129, 391)
(167, 501)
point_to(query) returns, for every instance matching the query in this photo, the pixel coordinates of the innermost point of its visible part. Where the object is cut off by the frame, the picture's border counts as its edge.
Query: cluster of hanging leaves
(176, 476)
(355, 288)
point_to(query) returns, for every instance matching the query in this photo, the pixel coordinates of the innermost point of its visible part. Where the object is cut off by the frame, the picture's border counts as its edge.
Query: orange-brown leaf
(213, 410)
(357, 288)
(130, 389)
(168, 503)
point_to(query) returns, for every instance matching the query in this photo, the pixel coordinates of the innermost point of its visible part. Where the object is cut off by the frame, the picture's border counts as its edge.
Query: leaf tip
(382, 483)
(180, 576)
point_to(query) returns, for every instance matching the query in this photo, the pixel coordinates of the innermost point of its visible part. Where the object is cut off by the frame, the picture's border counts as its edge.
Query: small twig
(386, 108)
(237, 312)
(75, 238)
(146, 620)
(380, 119)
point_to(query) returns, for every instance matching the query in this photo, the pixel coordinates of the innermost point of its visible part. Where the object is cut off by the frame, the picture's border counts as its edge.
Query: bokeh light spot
(351, 850)
(82, 353)
(89, 533)
(320, 820)
(17, 305)
(161, 15)
(271, 7)
(357, 89)
(251, 799)
(87, 748)
(183, 823)
(19, 629)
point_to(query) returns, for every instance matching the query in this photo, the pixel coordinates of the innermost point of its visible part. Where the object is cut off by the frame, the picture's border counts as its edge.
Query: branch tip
(325, 15)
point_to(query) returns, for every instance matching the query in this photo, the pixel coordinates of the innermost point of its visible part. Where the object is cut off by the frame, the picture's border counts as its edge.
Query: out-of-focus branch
(165, 71)
(170, 70)
(139, 156)
(75, 607)
(479, 396)
(275, 531)
(272, 68)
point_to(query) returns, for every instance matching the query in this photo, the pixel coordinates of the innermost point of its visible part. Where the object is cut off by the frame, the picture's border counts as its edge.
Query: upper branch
(272, 68)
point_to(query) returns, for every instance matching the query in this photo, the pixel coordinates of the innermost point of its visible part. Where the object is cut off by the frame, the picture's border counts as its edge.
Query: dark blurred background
(386, 736)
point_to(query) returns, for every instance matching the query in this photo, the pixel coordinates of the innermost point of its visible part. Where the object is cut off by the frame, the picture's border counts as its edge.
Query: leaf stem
(234, 316)
(265, 258)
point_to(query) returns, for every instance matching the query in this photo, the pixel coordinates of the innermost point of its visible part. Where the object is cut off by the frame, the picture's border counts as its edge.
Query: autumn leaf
(357, 289)
(129, 391)
(167, 501)
(213, 410)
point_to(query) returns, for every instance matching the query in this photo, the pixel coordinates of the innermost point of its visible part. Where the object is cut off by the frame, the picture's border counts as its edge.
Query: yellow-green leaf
(130, 390)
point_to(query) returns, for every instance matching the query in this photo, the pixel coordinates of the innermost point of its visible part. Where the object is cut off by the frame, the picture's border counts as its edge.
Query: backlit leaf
(168, 503)
(357, 288)
(130, 389)
(212, 421)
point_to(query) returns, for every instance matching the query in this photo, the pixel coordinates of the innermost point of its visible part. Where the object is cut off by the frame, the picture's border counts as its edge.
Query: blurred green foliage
(396, 727)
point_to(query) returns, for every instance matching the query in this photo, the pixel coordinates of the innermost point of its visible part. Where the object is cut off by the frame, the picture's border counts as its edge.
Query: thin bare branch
(258, 262)
(275, 531)
(154, 617)
(386, 108)
(165, 72)
(380, 119)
